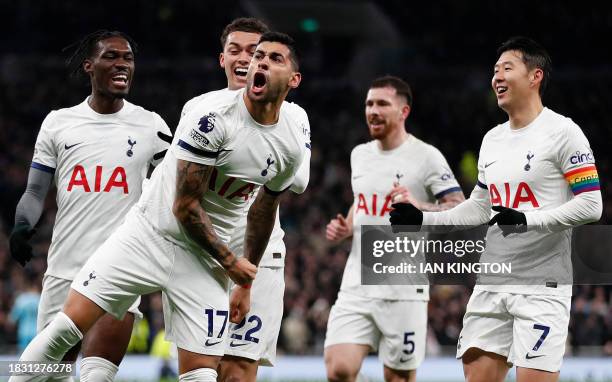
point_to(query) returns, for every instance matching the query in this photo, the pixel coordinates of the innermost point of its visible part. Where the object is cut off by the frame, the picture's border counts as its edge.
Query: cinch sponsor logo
(79, 179)
(199, 138)
(370, 205)
(512, 198)
(581, 158)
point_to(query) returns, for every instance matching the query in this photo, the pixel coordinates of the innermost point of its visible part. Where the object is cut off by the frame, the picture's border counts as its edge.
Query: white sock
(97, 369)
(199, 375)
(52, 343)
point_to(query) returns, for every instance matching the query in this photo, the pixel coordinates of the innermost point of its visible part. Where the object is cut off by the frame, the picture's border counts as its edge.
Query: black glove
(509, 220)
(405, 214)
(21, 250)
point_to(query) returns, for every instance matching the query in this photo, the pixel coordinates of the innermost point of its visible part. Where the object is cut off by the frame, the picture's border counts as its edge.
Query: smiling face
(385, 111)
(513, 82)
(111, 67)
(236, 56)
(271, 73)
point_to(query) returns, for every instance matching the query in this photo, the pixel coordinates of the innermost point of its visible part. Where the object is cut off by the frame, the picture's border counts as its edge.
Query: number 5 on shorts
(545, 330)
(409, 343)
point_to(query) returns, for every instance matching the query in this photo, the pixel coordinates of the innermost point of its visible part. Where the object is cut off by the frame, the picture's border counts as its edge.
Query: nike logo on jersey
(209, 343)
(235, 345)
(71, 146)
(490, 163)
(358, 176)
(529, 356)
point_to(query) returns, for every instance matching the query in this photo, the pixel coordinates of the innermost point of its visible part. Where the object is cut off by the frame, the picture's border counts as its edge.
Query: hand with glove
(405, 214)
(509, 220)
(21, 250)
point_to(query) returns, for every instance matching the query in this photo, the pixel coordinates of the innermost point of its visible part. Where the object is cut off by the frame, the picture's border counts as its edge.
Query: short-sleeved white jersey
(220, 132)
(416, 165)
(274, 255)
(538, 167)
(99, 162)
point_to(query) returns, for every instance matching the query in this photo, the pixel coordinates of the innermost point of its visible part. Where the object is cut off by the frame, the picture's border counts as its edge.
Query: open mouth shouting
(259, 83)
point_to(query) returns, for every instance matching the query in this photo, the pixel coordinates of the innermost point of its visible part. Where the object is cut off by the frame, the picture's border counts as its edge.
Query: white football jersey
(274, 255)
(538, 167)
(416, 165)
(99, 162)
(220, 132)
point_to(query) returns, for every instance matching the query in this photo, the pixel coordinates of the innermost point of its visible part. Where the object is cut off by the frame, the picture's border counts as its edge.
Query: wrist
(246, 286)
(229, 261)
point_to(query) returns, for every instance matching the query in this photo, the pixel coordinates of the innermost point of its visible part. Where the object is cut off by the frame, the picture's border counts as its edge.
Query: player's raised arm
(191, 183)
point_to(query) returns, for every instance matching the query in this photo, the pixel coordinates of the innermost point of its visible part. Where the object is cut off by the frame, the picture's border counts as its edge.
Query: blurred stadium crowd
(446, 53)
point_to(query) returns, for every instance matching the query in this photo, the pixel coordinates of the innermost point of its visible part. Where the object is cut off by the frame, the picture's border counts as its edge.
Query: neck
(104, 104)
(523, 114)
(265, 113)
(393, 140)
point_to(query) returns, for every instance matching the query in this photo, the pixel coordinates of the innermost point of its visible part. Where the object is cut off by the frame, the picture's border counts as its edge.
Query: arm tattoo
(260, 222)
(191, 183)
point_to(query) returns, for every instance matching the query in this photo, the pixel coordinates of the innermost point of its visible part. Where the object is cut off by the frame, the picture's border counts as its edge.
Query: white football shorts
(396, 328)
(530, 330)
(52, 298)
(256, 336)
(138, 260)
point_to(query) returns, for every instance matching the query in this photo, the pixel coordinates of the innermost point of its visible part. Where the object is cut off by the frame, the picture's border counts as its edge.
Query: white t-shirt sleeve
(577, 162)
(302, 177)
(202, 137)
(161, 146)
(475, 210)
(440, 179)
(45, 151)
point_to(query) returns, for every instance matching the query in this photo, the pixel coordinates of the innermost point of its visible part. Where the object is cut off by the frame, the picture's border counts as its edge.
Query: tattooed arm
(260, 222)
(191, 183)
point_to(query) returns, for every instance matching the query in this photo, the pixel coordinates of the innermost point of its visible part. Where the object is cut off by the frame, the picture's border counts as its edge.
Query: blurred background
(444, 49)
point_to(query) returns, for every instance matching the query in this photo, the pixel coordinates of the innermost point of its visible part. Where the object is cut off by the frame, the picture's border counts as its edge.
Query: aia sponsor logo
(371, 205)
(510, 197)
(227, 189)
(79, 178)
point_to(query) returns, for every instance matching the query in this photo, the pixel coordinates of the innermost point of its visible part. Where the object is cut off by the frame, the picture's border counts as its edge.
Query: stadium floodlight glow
(309, 25)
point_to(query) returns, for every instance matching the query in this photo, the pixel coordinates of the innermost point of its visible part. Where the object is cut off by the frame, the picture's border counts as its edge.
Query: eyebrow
(240, 46)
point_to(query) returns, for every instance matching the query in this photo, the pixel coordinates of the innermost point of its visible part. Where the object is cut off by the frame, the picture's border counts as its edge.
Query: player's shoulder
(202, 97)
(61, 118)
(219, 101)
(557, 123)
(139, 112)
(496, 132)
(421, 147)
(363, 149)
(294, 110)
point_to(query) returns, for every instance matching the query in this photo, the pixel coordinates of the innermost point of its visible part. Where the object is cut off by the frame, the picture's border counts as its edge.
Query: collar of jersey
(122, 111)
